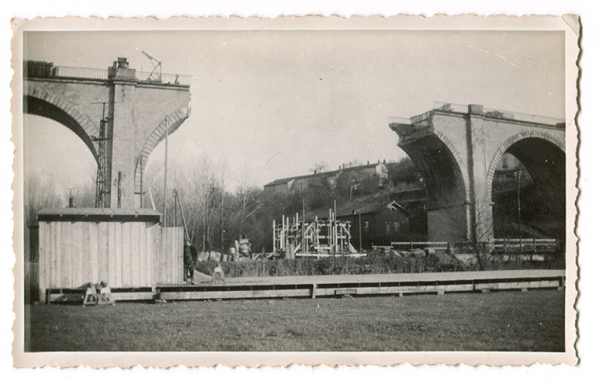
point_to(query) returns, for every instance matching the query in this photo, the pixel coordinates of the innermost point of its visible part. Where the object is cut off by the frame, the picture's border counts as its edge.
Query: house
(378, 223)
(290, 185)
(355, 175)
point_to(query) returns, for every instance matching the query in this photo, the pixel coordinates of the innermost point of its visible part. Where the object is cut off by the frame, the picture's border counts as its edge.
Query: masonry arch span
(447, 204)
(541, 188)
(44, 104)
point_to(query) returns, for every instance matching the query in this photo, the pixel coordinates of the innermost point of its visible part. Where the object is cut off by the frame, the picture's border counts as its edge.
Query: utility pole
(141, 175)
(360, 231)
(165, 195)
(179, 201)
(119, 198)
(165, 181)
(335, 227)
(518, 176)
(222, 217)
(175, 193)
(303, 245)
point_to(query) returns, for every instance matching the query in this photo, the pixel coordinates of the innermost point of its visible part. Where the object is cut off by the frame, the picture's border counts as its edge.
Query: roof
(410, 195)
(350, 210)
(371, 208)
(286, 180)
(99, 214)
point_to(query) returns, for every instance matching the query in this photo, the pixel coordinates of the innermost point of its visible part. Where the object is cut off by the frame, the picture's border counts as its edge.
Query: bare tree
(319, 167)
(41, 193)
(223, 167)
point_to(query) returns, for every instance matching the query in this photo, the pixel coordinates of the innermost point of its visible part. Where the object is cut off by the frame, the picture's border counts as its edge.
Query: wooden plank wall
(123, 254)
(169, 259)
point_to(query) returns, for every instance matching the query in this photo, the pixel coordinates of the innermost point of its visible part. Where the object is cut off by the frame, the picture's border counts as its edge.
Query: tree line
(217, 216)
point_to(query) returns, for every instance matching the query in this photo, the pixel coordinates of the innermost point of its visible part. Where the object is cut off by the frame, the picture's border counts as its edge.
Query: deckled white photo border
(567, 24)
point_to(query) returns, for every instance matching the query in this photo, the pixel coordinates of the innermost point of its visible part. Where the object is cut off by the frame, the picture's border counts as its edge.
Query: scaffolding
(294, 236)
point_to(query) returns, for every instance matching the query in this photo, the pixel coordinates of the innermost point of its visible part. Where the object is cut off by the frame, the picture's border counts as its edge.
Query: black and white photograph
(297, 190)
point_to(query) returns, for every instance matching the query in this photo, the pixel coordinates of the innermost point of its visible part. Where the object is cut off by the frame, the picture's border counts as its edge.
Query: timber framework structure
(319, 237)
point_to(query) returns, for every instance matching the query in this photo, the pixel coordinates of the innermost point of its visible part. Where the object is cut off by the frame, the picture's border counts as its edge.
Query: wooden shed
(127, 248)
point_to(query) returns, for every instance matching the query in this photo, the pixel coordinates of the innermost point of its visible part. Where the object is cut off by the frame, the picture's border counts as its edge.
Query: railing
(487, 112)
(498, 246)
(79, 72)
(451, 107)
(37, 68)
(522, 117)
(170, 79)
(40, 69)
(524, 246)
(419, 245)
(397, 120)
(417, 119)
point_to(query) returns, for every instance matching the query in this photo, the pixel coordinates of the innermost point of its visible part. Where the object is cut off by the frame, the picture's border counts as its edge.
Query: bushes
(386, 264)
(382, 262)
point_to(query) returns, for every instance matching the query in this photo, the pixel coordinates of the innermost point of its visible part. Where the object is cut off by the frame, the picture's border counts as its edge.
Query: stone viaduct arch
(459, 150)
(533, 161)
(136, 108)
(42, 103)
(439, 159)
(543, 156)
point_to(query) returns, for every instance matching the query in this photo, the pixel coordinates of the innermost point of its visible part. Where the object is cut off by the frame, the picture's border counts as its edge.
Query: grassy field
(507, 321)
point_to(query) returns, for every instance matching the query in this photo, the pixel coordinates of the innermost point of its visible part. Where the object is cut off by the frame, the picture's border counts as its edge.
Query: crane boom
(156, 72)
(150, 56)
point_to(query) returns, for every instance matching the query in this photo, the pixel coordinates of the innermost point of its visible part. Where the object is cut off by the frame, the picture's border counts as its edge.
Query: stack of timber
(341, 285)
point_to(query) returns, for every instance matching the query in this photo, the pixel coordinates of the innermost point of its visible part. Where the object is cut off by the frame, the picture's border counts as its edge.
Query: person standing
(190, 257)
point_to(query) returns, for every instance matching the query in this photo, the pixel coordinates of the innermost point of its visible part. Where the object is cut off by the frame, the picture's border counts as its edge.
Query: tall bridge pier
(121, 114)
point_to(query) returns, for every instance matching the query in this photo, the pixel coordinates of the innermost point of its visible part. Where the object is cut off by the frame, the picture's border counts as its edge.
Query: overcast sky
(274, 103)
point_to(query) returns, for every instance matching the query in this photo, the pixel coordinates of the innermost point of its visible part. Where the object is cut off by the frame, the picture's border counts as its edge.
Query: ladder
(103, 175)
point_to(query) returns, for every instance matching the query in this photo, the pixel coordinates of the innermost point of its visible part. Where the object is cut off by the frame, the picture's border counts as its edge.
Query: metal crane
(156, 72)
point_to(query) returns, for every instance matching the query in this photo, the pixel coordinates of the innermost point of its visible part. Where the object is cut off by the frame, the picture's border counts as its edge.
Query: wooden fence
(497, 246)
(123, 254)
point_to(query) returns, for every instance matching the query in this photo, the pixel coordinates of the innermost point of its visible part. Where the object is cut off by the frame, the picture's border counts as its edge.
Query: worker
(190, 258)
(195, 255)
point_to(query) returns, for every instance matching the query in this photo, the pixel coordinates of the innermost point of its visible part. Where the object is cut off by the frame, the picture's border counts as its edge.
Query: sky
(274, 103)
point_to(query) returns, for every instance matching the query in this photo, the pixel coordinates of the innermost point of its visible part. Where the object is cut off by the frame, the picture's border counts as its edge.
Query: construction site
(250, 195)
(128, 248)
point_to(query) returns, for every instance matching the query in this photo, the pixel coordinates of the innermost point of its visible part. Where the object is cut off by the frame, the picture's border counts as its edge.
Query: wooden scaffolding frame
(294, 236)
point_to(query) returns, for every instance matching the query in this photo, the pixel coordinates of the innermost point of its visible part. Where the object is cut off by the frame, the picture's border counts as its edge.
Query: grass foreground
(505, 321)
